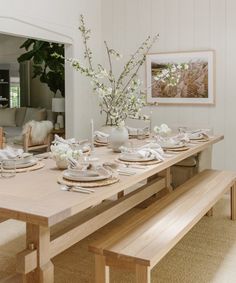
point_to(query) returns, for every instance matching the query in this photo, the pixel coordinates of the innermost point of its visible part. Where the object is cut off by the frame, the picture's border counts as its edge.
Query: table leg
(142, 274)
(167, 174)
(38, 237)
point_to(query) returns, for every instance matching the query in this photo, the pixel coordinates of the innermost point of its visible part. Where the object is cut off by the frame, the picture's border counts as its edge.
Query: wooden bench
(138, 243)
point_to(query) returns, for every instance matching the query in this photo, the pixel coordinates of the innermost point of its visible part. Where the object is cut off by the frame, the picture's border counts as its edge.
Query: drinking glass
(141, 135)
(8, 168)
(182, 130)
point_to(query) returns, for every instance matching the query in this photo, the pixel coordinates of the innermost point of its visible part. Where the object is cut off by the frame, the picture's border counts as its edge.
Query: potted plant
(49, 69)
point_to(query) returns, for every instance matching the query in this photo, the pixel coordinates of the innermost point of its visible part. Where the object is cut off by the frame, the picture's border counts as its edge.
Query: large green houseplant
(49, 69)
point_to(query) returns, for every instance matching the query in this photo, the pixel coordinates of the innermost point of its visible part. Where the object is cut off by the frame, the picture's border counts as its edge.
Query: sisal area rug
(206, 254)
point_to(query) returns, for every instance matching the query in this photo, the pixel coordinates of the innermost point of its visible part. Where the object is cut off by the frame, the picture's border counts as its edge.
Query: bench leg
(120, 194)
(210, 212)
(101, 270)
(142, 274)
(233, 202)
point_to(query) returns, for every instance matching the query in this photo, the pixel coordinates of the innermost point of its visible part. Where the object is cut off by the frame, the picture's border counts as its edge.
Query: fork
(77, 189)
(73, 163)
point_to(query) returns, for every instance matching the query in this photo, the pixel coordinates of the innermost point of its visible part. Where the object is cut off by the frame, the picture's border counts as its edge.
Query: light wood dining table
(37, 199)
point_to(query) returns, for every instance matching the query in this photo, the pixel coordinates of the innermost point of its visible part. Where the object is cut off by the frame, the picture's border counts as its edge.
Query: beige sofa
(12, 120)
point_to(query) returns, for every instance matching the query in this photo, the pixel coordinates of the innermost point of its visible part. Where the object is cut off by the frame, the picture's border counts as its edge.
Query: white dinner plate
(101, 140)
(169, 145)
(135, 157)
(24, 163)
(196, 137)
(87, 176)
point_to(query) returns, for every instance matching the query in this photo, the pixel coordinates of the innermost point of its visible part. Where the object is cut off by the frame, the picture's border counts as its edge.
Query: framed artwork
(180, 78)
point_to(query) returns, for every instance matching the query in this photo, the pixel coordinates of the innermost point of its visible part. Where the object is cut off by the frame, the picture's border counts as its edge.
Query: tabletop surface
(36, 196)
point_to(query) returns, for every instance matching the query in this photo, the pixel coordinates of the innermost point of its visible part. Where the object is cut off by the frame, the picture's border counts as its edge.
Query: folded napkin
(135, 131)
(155, 149)
(180, 139)
(198, 133)
(10, 153)
(183, 137)
(151, 149)
(72, 143)
(58, 140)
(100, 136)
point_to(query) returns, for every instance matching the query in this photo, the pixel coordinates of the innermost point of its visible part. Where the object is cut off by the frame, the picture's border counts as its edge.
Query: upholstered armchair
(35, 138)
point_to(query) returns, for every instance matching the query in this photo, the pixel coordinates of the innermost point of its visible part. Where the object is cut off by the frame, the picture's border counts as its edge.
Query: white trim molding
(36, 28)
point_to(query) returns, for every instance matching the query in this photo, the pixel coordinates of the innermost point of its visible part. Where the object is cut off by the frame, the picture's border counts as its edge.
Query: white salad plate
(172, 145)
(196, 137)
(86, 175)
(21, 163)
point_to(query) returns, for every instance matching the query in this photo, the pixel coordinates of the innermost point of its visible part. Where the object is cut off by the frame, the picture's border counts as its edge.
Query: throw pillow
(34, 114)
(51, 116)
(20, 116)
(8, 117)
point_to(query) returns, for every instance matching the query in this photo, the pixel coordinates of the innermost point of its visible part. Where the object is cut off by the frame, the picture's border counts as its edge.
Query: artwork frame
(192, 83)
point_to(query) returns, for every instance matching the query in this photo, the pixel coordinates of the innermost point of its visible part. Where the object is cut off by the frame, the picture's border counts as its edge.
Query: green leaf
(49, 69)
(26, 56)
(27, 43)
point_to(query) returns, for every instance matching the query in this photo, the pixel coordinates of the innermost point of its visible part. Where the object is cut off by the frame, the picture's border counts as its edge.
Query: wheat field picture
(180, 77)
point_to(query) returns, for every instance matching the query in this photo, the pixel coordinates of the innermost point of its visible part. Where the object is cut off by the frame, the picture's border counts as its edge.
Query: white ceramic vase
(107, 129)
(61, 163)
(118, 137)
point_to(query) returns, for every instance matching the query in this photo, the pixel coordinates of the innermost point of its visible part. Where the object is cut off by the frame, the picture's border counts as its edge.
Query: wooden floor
(206, 254)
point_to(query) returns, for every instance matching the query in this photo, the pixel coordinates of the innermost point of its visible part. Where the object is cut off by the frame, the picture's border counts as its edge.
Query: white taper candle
(92, 133)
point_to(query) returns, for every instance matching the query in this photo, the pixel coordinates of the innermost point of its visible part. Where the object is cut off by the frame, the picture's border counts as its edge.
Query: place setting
(148, 154)
(87, 172)
(16, 161)
(82, 145)
(173, 145)
(100, 138)
(199, 137)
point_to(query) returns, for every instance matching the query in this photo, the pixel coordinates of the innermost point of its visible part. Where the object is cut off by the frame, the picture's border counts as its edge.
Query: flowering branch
(119, 98)
(85, 34)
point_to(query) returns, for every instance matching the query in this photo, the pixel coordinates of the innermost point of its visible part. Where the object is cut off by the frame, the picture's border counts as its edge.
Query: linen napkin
(183, 137)
(100, 136)
(155, 149)
(58, 140)
(197, 133)
(72, 143)
(10, 153)
(151, 149)
(180, 139)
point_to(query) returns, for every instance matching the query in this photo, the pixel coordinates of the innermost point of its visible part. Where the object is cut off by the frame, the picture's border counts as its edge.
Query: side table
(59, 132)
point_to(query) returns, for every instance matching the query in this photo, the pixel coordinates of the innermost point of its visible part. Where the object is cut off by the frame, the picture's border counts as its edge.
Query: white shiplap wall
(185, 25)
